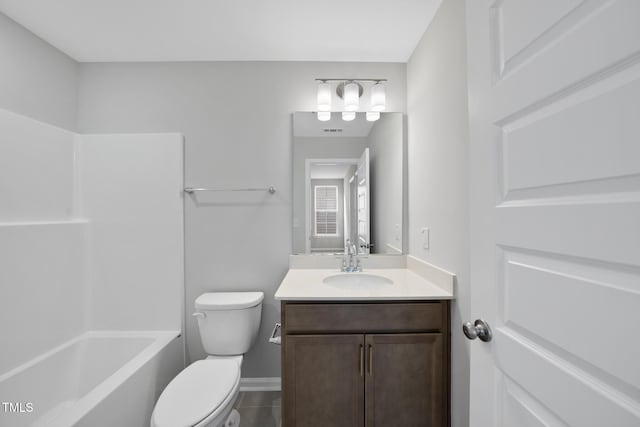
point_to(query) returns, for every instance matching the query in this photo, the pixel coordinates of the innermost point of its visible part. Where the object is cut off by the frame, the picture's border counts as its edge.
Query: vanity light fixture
(347, 116)
(378, 97)
(351, 96)
(324, 116)
(372, 116)
(324, 97)
(350, 91)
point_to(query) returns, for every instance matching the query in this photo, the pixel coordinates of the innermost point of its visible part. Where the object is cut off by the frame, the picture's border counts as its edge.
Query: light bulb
(372, 116)
(324, 97)
(351, 96)
(324, 116)
(378, 97)
(347, 116)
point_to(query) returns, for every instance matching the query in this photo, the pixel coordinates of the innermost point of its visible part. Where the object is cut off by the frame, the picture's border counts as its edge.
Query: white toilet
(202, 395)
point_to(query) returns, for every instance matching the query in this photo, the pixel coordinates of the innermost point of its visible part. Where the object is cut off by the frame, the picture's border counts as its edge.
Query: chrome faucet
(351, 261)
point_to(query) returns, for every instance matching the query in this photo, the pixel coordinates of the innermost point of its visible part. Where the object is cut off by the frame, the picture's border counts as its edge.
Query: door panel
(363, 204)
(591, 329)
(524, 21)
(605, 146)
(324, 381)
(405, 384)
(521, 410)
(555, 202)
(568, 389)
(604, 228)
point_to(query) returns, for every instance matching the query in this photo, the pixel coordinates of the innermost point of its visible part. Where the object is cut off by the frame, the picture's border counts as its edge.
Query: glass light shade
(347, 116)
(351, 97)
(324, 97)
(324, 116)
(378, 97)
(372, 116)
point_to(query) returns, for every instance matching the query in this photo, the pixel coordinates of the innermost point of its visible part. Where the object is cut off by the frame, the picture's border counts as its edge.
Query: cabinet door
(406, 380)
(324, 381)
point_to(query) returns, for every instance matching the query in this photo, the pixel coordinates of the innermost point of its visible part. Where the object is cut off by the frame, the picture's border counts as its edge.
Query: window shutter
(326, 210)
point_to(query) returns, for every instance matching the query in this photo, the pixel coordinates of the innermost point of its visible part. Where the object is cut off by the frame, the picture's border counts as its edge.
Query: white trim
(307, 193)
(307, 205)
(45, 222)
(261, 384)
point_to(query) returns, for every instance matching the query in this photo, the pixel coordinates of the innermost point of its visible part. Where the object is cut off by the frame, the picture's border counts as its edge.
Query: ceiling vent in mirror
(350, 91)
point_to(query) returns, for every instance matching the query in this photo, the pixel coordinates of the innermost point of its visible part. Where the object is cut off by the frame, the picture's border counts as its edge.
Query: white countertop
(307, 284)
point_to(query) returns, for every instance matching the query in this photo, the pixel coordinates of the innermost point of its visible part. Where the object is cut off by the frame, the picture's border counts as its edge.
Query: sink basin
(357, 281)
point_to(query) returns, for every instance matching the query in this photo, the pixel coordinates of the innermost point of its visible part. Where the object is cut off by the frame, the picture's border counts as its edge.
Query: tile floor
(258, 408)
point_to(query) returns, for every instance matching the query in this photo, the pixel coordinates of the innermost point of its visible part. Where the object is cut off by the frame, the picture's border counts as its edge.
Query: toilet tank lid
(228, 300)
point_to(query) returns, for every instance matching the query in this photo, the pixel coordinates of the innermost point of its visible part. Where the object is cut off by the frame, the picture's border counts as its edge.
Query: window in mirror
(326, 210)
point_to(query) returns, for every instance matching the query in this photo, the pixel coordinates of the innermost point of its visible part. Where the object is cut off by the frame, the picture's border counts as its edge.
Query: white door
(554, 103)
(362, 175)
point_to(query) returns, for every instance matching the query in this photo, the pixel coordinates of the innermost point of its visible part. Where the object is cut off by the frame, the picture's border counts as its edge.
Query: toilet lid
(196, 392)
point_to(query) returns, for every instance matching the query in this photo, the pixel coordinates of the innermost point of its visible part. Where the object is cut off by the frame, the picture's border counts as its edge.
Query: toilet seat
(199, 393)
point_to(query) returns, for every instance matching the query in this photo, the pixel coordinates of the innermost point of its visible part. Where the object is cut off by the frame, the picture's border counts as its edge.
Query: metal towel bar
(191, 190)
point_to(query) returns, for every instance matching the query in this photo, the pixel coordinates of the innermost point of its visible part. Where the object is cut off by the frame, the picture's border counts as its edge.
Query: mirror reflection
(347, 184)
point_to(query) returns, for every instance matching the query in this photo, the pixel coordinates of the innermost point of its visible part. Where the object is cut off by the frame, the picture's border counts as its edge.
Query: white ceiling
(330, 171)
(232, 30)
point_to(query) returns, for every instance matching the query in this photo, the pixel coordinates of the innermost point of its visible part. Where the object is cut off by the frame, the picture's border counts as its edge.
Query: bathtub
(96, 379)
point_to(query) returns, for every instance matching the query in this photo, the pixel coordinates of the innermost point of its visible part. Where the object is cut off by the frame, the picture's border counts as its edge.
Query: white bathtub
(97, 379)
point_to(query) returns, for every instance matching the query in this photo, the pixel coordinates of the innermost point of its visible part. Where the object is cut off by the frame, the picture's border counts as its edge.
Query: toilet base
(223, 418)
(233, 420)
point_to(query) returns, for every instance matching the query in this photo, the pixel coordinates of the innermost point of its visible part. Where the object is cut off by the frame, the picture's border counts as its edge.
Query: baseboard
(261, 384)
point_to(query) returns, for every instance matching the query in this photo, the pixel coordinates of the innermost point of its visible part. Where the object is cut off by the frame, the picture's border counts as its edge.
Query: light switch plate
(425, 238)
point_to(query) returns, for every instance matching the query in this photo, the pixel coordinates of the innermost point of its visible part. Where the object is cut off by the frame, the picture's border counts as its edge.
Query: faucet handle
(358, 265)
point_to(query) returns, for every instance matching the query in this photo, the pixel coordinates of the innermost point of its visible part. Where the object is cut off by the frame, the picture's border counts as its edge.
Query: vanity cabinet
(365, 364)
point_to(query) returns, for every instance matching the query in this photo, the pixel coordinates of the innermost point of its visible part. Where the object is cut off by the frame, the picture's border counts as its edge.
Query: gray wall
(236, 118)
(438, 148)
(36, 79)
(386, 148)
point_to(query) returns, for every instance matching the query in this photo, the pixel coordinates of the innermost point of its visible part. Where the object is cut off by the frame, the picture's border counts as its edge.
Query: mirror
(348, 184)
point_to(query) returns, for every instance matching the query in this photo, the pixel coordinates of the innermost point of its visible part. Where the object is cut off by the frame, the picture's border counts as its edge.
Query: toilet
(202, 395)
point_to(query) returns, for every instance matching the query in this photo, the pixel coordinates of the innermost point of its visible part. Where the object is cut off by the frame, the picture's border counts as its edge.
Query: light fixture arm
(344, 81)
(351, 80)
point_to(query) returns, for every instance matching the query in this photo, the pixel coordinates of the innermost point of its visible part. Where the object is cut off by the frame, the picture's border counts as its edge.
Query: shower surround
(91, 273)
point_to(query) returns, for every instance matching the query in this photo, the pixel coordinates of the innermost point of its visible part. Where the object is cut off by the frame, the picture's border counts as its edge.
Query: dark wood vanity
(373, 364)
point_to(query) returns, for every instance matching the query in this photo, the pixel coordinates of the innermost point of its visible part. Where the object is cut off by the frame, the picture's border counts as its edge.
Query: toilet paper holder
(276, 339)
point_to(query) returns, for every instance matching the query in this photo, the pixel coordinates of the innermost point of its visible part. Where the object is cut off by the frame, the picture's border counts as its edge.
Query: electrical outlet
(425, 238)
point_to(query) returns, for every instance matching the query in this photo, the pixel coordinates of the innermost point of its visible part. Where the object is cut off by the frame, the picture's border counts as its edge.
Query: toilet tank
(228, 321)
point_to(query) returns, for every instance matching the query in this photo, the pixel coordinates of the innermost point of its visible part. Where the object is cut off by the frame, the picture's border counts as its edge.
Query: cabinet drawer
(364, 317)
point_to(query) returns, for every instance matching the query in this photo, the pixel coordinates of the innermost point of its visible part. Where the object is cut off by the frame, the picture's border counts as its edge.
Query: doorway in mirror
(348, 184)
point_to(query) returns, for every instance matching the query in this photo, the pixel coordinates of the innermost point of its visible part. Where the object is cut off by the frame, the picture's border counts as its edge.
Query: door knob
(479, 329)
